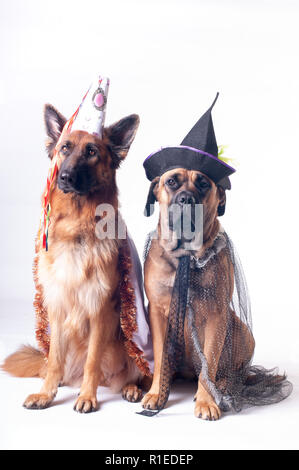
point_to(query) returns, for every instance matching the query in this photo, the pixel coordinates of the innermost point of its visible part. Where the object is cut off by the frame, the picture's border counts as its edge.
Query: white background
(166, 61)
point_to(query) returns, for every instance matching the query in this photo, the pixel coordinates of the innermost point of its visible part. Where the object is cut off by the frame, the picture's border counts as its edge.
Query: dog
(181, 186)
(79, 276)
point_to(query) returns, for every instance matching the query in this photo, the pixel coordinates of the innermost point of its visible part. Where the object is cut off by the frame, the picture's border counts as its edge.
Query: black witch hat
(198, 151)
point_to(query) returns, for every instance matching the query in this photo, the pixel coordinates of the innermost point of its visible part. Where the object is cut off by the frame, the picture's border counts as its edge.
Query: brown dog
(78, 276)
(185, 186)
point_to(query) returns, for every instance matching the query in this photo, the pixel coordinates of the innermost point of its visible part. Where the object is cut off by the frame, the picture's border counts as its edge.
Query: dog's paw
(37, 401)
(150, 401)
(131, 393)
(207, 410)
(86, 404)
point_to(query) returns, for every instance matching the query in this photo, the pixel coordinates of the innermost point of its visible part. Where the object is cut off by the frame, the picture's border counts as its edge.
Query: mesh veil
(209, 326)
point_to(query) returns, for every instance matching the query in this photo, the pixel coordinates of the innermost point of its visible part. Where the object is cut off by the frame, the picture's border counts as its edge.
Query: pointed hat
(88, 117)
(198, 151)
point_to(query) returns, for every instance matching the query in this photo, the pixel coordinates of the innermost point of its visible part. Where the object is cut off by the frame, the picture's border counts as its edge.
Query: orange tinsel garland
(42, 323)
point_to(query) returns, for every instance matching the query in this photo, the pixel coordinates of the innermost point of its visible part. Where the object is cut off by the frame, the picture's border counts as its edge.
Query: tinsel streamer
(42, 323)
(51, 180)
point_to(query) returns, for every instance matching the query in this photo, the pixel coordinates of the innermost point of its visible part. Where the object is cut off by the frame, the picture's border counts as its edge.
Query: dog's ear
(151, 198)
(222, 201)
(120, 136)
(54, 122)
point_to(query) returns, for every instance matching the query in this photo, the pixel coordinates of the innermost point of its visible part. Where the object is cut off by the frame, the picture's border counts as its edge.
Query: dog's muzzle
(66, 181)
(185, 197)
(182, 211)
(185, 221)
(74, 180)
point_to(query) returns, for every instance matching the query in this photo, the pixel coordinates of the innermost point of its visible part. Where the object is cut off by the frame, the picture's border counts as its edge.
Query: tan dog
(78, 277)
(185, 186)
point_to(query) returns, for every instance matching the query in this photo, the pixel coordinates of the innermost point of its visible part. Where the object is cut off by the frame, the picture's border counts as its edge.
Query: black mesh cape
(209, 325)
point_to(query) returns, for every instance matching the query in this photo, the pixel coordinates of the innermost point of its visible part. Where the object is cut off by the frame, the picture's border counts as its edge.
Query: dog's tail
(25, 362)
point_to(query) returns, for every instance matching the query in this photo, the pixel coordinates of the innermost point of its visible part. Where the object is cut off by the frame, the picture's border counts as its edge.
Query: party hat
(88, 117)
(91, 113)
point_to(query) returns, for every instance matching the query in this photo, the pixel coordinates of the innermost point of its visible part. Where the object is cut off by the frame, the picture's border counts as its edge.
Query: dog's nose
(185, 197)
(67, 177)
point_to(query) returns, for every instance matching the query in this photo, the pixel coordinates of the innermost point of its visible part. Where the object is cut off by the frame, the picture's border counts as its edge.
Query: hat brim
(169, 158)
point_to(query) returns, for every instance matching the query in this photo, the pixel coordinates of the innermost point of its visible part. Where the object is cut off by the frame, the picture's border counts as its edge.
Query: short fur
(159, 274)
(78, 275)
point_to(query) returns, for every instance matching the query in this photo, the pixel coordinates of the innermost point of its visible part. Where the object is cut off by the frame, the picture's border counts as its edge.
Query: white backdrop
(166, 61)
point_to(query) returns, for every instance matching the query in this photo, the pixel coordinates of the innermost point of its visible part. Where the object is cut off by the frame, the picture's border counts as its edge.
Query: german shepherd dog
(79, 273)
(183, 186)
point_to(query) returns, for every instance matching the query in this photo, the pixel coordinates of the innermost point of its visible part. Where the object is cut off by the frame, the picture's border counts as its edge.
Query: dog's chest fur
(77, 276)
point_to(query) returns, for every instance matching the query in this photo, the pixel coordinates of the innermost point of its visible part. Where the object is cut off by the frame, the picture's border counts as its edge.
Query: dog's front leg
(87, 400)
(158, 321)
(55, 369)
(215, 331)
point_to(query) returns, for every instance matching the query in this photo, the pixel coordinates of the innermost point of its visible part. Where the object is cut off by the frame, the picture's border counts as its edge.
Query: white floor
(117, 426)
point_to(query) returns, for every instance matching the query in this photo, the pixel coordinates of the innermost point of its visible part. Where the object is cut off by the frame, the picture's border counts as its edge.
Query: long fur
(25, 362)
(78, 280)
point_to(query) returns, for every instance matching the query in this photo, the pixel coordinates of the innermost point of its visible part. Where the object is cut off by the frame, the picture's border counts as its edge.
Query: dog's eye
(90, 151)
(202, 183)
(64, 148)
(171, 182)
